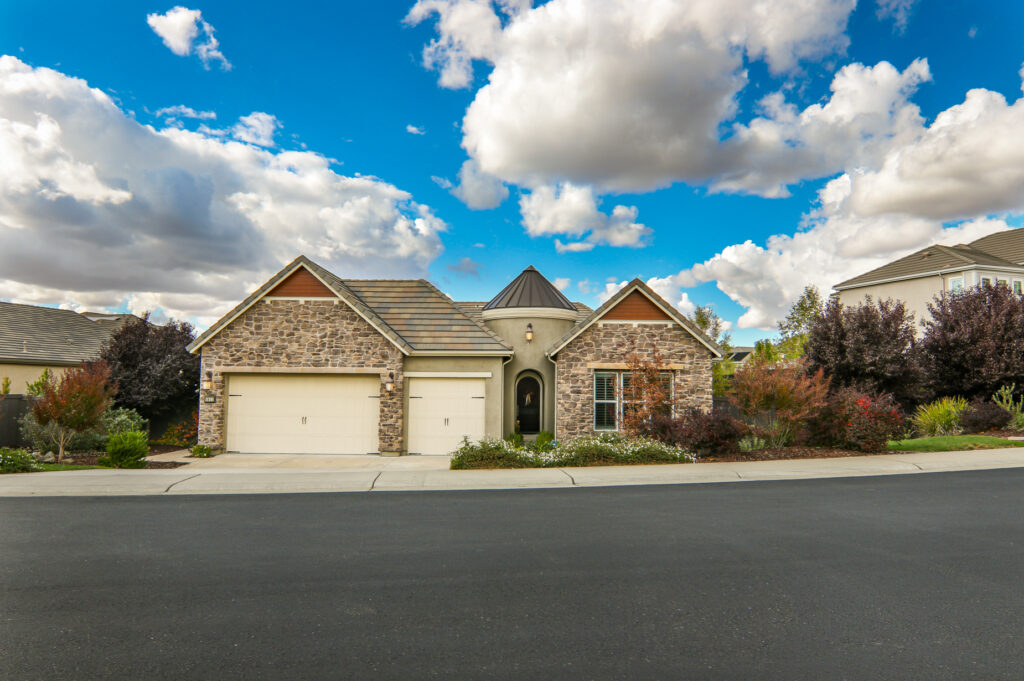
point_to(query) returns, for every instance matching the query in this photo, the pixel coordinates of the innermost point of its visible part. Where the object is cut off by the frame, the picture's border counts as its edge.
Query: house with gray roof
(997, 259)
(34, 338)
(315, 363)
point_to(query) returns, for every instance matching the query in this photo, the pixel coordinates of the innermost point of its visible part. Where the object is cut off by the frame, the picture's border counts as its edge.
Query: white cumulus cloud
(256, 128)
(180, 29)
(572, 211)
(479, 190)
(99, 210)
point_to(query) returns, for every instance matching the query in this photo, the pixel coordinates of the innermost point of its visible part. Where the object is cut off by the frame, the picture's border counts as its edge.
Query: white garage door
(303, 414)
(442, 411)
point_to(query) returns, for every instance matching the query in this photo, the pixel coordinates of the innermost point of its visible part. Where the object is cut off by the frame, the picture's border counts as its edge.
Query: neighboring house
(741, 354)
(34, 338)
(312, 363)
(917, 278)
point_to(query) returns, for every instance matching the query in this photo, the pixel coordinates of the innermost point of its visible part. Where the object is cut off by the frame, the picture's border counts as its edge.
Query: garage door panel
(443, 411)
(303, 414)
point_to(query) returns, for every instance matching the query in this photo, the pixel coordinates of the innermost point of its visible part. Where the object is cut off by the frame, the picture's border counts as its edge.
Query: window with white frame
(1018, 286)
(986, 281)
(1003, 282)
(956, 284)
(610, 403)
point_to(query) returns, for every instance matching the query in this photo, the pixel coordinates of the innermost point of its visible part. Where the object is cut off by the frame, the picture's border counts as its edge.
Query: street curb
(187, 480)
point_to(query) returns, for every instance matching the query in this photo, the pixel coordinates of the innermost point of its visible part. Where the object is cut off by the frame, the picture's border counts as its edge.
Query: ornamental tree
(974, 342)
(870, 347)
(154, 372)
(647, 394)
(75, 402)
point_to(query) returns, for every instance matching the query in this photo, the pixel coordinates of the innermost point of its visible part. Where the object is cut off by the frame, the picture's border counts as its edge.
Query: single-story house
(313, 363)
(915, 279)
(34, 338)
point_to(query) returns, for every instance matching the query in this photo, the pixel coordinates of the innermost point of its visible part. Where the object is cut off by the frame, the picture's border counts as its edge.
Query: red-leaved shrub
(852, 419)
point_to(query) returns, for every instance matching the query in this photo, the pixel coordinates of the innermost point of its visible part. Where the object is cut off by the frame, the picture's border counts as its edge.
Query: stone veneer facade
(301, 334)
(612, 344)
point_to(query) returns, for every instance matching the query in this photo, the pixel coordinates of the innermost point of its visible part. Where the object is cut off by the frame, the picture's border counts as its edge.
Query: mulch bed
(92, 460)
(164, 449)
(786, 453)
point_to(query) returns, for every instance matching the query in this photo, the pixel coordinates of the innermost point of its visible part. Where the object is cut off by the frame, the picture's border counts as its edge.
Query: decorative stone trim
(448, 374)
(301, 370)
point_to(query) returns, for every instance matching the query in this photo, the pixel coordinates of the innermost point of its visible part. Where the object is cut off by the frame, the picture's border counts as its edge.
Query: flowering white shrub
(587, 450)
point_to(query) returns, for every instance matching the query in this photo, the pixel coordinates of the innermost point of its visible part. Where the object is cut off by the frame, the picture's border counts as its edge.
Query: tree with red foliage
(646, 393)
(974, 342)
(75, 402)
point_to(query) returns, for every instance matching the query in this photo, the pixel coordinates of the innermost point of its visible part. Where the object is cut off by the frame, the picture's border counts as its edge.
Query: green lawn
(951, 443)
(66, 467)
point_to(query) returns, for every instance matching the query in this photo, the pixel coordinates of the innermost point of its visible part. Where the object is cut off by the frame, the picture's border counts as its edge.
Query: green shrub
(201, 452)
(17, 461)
(118, 420)
(126, 450)
(751, 443)
(491, 453)
(544, 441)
(941, 417)
(515, 439)
(42, 438)
(1004, 398)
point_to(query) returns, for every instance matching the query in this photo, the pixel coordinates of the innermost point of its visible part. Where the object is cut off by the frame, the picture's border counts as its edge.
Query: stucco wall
(300, 334)
(20, 374)
(609, 343)
(492, 386)
(918, 293)
(530, 357)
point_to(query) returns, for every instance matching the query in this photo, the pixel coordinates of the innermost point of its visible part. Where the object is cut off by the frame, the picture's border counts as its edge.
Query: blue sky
(638, 136)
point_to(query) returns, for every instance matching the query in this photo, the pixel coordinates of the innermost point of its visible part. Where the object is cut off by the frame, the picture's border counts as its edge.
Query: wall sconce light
(208, 382)
(529, 333)
(389, 384)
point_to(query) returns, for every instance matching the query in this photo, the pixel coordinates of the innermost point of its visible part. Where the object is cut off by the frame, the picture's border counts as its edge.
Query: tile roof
(1008, 244)
(927, 260)
(31, 334)
(426, 318)
(411, 313)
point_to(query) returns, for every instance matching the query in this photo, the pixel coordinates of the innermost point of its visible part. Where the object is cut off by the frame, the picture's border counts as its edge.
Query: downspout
(503, 388)
(554, 396)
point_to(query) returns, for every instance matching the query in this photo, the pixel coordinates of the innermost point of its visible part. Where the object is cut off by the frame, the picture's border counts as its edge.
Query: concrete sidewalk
(364, 474)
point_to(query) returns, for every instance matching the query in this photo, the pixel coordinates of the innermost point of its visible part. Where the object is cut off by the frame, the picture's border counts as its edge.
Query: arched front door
(528, 398)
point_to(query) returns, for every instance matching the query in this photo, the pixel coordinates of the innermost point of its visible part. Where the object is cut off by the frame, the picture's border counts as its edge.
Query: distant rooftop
(1002, 249)
(30, 334)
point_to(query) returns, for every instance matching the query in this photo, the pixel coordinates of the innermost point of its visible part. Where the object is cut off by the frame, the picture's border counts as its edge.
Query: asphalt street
(897, 577)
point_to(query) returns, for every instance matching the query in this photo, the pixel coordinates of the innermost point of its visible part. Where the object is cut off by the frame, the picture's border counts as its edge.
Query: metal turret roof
(530, 289)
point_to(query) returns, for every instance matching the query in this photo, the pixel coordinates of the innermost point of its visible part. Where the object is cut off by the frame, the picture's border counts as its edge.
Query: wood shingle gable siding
(301, 284)
(636, 307)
